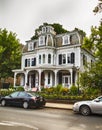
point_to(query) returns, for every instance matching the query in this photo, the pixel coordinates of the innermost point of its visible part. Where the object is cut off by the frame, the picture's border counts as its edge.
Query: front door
(66, 81)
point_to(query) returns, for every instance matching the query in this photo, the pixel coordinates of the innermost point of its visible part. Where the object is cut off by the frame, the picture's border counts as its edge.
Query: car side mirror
(97, 100)
(10, 96)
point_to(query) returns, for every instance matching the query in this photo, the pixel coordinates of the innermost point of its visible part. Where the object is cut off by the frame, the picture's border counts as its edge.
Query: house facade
(52, 59)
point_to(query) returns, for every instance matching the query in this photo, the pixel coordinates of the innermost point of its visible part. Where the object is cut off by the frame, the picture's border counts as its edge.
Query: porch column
(71, 72)
(39, 80)
(55, 77)
(15, 79)
(26, 77)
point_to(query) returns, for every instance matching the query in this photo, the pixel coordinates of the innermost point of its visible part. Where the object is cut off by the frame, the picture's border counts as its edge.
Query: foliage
(98, 8)
(91, 91)
(10, 53)
(73, 90)
(20, 88)
(5, 92)
(85, 80)
(92, 77)
(57, 28)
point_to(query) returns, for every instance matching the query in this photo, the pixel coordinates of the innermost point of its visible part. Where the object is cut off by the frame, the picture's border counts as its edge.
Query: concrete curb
(59, 106)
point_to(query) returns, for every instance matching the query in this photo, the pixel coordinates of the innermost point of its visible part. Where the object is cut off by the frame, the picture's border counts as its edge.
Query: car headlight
(76, 104)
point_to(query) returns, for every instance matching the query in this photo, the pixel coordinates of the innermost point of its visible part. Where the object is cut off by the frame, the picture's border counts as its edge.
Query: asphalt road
(12, 118)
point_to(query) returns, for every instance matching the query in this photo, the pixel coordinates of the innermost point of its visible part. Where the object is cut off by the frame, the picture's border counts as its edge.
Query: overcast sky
(24, 16)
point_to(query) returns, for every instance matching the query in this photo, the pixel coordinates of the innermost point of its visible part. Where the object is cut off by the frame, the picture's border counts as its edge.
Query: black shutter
(25, 62)
(60, 59)
(72, 58)
(34, 61)
(60, 78)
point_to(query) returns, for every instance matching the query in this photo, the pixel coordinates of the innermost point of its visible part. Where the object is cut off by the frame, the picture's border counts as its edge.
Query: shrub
(20, 88)
(58, 89)
(73, 90)
(5, 92)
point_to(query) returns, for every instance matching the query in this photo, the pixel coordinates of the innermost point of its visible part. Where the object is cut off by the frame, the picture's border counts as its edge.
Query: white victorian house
(52, 59)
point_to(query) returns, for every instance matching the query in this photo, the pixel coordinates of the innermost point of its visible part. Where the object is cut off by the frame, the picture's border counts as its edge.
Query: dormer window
(66, 40)
(41, 41)
(30, 46)
(44, 30)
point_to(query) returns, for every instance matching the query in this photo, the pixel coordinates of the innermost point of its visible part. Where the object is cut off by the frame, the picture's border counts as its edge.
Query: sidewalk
(59, 106)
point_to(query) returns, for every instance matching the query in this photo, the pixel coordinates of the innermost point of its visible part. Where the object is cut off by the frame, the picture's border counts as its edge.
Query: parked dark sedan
(23, 99)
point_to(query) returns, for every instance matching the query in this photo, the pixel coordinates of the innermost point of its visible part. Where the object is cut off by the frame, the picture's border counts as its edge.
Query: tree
(93, 76)
(98, 8)
(10, 53)
(57, 27)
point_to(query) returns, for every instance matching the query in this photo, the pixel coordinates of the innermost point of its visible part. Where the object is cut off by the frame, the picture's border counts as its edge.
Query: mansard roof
(75, 37)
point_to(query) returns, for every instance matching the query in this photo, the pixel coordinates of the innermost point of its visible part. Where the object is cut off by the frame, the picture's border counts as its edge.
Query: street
(46, 119)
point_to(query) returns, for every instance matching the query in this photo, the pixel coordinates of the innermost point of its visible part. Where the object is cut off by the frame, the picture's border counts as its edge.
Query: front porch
(44, 78)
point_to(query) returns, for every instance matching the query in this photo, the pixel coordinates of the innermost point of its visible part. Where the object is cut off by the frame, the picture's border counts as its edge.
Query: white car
(88, 107)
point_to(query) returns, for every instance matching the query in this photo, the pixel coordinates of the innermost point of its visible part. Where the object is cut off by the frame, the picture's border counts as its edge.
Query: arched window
(66, 40)
(49, 58)
(42, 40)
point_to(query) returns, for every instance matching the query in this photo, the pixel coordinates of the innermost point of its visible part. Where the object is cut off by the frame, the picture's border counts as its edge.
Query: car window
(15, 94)
(100, 98)
(22, 94)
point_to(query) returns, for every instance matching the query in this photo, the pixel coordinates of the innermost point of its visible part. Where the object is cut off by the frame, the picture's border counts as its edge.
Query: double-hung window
(28, 62)
(42, 40)
(49, 58)
(39, 59)
(30, 46)
(43, 58)
(33, 61)
(65, 40)
(64, 58)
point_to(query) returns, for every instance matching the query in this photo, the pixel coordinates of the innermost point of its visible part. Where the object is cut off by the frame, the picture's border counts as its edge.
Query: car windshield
(15, 94)
(99, 99)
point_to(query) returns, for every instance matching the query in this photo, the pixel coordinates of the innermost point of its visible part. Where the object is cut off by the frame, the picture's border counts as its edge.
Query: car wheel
(3, 103)
(25, 105)
(85, 110)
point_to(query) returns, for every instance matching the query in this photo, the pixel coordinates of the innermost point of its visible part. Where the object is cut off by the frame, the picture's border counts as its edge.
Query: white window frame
(30, 46)
(64, 80)
(40, 59)
(41, 40)
(44, 57)
(49, 59)
(28, 62)
(66, 38)
(63, 58)
(43, 29)
(68, 57)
